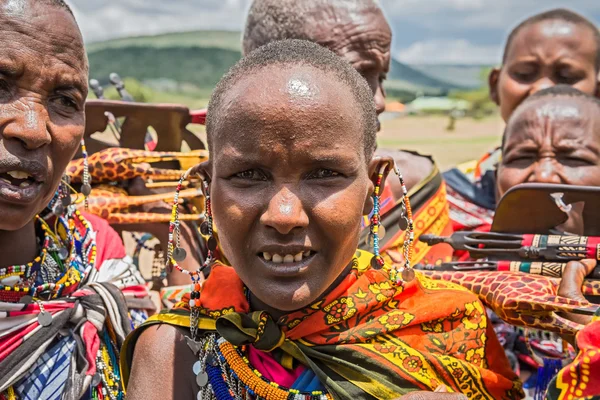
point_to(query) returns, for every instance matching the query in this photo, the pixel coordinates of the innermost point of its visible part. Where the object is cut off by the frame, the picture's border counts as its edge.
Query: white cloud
(454, 51)
(105, 19)
(423, 29)
(457, 15)
(431, 6)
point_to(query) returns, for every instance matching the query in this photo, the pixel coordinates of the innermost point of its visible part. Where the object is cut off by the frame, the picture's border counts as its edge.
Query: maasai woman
(553, 137)
(302, 313)
(554, 47)
(61, 322)
(359, 32)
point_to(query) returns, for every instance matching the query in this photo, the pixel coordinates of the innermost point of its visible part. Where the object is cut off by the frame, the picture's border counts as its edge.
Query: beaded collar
(66, 258)
(223, 372)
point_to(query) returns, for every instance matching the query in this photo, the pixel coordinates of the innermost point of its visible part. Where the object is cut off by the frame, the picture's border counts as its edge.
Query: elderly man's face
(360, 35)
(43, 86)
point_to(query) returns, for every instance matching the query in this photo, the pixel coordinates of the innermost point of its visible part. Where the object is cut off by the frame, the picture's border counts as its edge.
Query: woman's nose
(541, 84)
(285, 213)
(26, 123)
(546, 171)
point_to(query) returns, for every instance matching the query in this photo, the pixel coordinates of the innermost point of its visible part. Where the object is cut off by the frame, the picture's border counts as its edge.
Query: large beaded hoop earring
(402, 273)
(407, 274)
(377, 230)
(176, 254)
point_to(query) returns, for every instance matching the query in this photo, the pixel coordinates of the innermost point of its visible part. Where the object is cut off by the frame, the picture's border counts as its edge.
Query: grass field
(428, 135)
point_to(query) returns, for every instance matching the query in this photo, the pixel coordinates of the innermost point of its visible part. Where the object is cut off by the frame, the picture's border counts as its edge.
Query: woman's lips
(26, 192)
(287, 265)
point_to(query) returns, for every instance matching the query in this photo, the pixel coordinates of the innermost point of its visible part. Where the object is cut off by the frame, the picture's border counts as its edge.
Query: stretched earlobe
(375, 166)
(202, 170)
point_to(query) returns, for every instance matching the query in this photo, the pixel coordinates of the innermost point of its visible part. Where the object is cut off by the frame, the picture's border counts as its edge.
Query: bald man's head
(271, 20)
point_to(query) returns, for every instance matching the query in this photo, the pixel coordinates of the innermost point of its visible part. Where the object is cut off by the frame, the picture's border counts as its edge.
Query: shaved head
(18, 6)
(271, 20)
(287, 54)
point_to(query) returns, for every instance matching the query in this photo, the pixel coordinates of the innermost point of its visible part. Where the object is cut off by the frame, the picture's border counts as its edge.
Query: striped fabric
(47, 377)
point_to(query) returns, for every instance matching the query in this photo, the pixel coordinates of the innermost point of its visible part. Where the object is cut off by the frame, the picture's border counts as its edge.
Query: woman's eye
(524, 76)
(323, 173)
(574, 161)
(66, 102)
(252, 175)
(4, 86)
(5, 90)
(519, 159)
(567, 78)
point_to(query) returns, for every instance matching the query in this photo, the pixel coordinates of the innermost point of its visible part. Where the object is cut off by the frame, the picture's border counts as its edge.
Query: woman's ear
(203, 170)
(493, 79)
(376, 166)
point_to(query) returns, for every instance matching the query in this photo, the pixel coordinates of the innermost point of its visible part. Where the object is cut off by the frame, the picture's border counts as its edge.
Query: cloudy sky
(425, 31)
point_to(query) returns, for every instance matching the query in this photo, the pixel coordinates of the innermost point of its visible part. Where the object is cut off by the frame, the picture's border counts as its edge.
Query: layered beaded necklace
(67, 256)
(223, 372)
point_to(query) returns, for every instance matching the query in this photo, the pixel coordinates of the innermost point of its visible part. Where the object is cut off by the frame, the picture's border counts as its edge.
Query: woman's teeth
(18, 174)
(17, 178)
(287, 258)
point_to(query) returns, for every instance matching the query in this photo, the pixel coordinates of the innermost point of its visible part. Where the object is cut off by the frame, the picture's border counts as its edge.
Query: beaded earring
(86, 187)
(377, 230)
(62, 197)
(407, 274)
(175, 253)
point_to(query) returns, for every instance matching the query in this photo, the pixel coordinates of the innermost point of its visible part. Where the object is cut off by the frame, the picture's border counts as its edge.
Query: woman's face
(552, 140)
(289, 182)
(542, 55)
(361, 36)
(43, 86)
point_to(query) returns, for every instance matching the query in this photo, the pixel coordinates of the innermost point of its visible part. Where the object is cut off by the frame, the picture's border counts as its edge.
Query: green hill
(469, 76)
(418, 80)
(200, 66)
(221, 39)
(197, 60)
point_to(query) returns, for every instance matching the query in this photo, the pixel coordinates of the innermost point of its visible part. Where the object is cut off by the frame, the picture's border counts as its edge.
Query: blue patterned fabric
(46, 379)
(138, 317)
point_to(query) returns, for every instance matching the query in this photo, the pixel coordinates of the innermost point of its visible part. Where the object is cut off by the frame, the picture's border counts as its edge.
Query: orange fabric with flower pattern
(369, 338)
(579, 380)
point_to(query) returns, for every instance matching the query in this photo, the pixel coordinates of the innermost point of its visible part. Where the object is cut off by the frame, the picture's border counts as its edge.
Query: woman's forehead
(282, 103)
(41, 36)
(556, 35)
(566, 116)
(40, 26)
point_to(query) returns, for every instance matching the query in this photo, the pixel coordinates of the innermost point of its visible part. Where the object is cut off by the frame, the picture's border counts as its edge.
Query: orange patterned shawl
(581, 378)
(368, 339)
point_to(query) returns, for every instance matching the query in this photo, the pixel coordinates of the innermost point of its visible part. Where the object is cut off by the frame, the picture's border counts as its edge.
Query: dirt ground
(470, 140)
